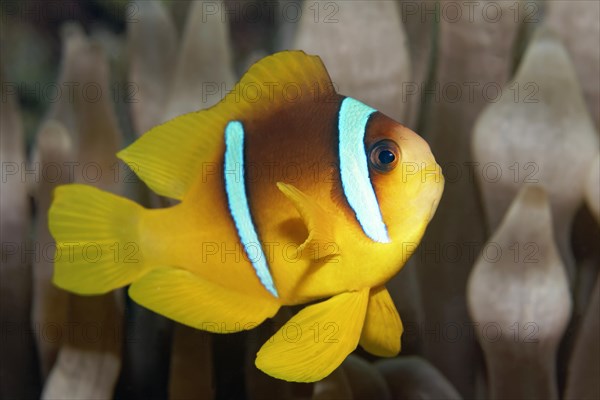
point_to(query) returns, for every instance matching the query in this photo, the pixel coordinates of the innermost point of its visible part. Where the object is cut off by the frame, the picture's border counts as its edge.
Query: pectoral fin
(316, 340)
(383, 327)
(191, 300)
(321, 241)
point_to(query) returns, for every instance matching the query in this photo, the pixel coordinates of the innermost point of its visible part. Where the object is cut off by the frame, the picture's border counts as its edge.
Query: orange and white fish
(289, 194)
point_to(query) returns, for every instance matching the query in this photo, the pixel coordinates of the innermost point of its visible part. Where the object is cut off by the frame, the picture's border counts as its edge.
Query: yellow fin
(383, 327)
(171, 156)
(321, 241)
(97, 245)
(316, 340)
(191, 300)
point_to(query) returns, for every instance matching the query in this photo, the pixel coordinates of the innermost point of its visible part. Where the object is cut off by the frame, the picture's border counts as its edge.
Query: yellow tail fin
(97, 243)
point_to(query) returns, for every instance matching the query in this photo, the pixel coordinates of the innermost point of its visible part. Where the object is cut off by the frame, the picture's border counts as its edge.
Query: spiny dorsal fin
(169, 157)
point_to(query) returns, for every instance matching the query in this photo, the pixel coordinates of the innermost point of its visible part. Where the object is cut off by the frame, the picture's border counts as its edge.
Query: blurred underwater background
(502, 298)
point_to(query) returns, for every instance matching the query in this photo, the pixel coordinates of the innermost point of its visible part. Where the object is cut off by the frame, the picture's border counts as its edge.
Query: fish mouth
(437, 196)
(434, 206)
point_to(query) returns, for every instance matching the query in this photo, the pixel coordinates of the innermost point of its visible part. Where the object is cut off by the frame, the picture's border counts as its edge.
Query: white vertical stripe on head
(354, 168)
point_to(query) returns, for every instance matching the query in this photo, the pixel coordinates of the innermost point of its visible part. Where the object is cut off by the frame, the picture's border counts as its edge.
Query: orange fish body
(289, 193)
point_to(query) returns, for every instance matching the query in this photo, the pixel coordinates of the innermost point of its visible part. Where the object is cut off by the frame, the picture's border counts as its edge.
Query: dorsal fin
(169, 157)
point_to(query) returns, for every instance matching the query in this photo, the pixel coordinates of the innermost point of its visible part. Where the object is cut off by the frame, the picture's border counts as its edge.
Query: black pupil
(386, 156)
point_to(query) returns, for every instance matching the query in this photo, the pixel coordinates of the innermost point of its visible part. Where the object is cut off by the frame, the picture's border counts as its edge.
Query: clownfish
(286, 193)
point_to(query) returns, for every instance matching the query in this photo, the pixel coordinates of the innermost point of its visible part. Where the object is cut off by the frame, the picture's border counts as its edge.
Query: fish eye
(384, 155)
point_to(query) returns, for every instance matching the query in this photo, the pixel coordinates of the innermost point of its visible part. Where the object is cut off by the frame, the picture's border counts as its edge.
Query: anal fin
(191, 300)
